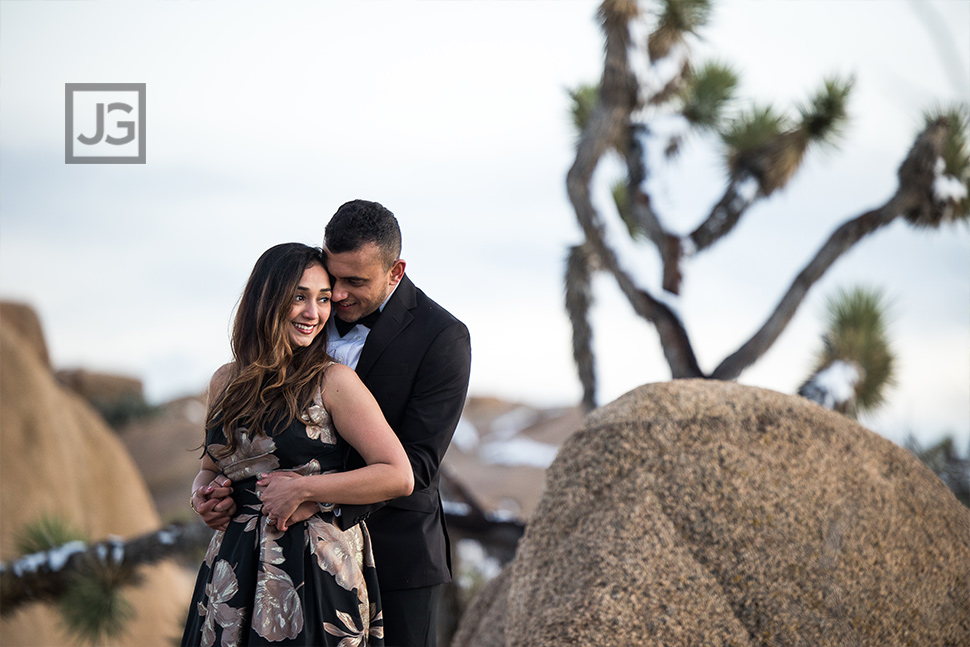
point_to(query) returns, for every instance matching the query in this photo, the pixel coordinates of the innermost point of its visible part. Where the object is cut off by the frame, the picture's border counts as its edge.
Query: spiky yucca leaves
(856, 333)
(771, 148)
(45, 533)
(92, 606)
(583, 103)
(752, 130)
(825, 116)
(945, 180)
(677, 19)
(707, 92)
(94, 609)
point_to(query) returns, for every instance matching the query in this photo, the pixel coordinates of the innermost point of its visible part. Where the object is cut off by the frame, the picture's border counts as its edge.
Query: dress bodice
(307, 445)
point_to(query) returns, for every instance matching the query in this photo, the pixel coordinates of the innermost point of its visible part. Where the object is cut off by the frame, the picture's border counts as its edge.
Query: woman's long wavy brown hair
(271, 382)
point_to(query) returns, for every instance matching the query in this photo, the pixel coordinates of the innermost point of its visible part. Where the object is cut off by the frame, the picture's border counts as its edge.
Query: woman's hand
(214, 503)
(282, 496)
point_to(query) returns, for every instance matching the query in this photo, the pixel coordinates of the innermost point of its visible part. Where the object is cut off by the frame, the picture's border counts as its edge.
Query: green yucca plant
(770, 147)
(935, 176)
(583, 103)
(749, 132)
(707, 92)
(677, 18)
(92, 606)
(956, 162)
(45, 533)
(856, 334)
(621, 199)
(825, 116)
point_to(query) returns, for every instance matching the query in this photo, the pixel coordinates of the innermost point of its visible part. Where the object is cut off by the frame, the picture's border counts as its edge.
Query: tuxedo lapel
(395, 317)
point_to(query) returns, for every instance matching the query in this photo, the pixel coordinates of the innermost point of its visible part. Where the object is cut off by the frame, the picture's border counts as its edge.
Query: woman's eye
(298, 297)
(324, 299)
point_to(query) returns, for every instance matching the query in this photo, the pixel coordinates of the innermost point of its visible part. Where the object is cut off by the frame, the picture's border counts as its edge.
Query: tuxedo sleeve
(436, 403)
(429, 419)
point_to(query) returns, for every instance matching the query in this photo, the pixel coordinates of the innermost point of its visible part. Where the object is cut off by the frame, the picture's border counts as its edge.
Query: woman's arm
(210, 490)
(358, 419)
(211, 496)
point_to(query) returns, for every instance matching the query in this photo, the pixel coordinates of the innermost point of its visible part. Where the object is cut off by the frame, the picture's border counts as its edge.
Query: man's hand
(280, 494)
(214, 503)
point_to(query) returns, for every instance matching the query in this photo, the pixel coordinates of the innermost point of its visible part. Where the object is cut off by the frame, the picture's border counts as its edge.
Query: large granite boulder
(59, 458)
(22, 319)
(708, 513)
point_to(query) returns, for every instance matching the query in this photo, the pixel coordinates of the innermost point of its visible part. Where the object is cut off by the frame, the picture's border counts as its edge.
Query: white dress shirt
(347, 349)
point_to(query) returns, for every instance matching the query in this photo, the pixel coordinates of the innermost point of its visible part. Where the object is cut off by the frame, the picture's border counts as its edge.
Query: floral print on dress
(351, 634)
(219, 591)
(313, 584)
(278, 613)
(252, 456)
(317, 421)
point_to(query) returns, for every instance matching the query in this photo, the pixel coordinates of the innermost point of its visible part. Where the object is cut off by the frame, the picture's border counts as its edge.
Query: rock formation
(701, 512)
(22, 319)
(111, 395)
(59, 458)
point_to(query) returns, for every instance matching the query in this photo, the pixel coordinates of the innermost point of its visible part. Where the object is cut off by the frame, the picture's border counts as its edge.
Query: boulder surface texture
(699, 512)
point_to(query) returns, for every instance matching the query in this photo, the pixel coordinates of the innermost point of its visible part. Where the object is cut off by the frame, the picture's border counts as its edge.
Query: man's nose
(339, 293)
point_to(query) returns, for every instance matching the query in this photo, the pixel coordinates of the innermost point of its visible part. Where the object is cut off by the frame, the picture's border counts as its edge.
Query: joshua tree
(85, 579)
(764, 147)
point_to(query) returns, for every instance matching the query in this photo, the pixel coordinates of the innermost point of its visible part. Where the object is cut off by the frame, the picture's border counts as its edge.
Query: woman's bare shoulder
(338, 378)
(336, 374)
(220, 379)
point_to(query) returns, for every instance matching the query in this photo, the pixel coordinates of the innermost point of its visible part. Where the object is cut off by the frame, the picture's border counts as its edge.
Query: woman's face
(310, 308)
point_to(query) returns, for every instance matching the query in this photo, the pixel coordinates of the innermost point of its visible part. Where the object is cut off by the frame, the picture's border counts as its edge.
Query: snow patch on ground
(519, 451)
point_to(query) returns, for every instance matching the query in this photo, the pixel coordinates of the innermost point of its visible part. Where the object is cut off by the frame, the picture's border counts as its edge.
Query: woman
(281, 572)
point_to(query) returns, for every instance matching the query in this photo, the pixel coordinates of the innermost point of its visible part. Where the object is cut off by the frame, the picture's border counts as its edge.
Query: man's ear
(397, 271)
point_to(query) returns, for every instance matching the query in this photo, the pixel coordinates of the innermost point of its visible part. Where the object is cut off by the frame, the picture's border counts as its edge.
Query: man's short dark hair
(359, 222)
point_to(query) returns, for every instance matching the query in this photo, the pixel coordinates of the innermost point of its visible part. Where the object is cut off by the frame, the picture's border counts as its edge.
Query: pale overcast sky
(262, 118)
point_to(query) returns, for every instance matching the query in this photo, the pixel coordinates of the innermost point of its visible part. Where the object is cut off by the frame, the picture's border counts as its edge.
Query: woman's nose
(310, 312)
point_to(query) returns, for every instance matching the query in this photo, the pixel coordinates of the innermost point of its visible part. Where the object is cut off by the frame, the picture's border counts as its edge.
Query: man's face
(361, 283)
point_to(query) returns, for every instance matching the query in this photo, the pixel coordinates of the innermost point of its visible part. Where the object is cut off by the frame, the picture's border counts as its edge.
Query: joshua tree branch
(838, 243)
(739, 195)
(44, 577)
(641, 207)
(915, 194)
(606, 127)
(499, 536)
(578, 302)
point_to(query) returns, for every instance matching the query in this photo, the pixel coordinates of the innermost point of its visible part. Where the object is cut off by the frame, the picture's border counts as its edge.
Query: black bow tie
(344, 327)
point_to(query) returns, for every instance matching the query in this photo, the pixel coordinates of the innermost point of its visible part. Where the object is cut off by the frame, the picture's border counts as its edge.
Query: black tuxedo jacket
(416, 362)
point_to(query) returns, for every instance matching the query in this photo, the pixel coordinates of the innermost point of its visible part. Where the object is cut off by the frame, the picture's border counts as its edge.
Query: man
(415, 358)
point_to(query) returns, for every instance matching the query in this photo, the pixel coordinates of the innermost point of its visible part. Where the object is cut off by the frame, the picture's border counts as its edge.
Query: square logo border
(70, 89)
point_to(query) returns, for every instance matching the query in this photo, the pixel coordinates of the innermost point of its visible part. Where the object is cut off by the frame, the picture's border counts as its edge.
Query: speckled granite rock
(709, 513)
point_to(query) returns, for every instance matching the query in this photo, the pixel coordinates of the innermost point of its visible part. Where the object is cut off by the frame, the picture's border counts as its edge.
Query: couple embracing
(324, 439)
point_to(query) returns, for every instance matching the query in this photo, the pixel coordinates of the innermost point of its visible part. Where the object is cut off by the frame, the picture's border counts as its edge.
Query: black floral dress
(311, 585)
